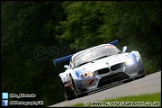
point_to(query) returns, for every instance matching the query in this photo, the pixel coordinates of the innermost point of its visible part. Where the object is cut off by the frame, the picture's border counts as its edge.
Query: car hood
(104, 62)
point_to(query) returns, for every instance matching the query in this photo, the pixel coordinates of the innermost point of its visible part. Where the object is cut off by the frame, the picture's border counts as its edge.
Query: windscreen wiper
(83, 63)
(102, 57)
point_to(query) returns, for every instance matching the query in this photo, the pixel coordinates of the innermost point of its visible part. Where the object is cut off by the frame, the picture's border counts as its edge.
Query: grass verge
(146, 100)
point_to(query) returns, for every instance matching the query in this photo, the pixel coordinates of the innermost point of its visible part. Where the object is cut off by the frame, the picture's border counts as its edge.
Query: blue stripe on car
(77, 72)
(134, 56)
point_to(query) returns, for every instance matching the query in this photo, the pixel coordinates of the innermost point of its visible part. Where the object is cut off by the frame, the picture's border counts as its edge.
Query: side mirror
(66, 66)
(124, 49)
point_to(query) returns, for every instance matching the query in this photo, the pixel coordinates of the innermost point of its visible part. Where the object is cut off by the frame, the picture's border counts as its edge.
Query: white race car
(94, 67)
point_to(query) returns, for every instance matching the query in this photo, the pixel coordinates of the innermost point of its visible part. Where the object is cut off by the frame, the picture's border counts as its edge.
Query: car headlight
(129, 61)
(87, 74)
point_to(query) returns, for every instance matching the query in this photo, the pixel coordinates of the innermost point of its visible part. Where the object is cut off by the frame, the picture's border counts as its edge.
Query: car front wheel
(68, 90)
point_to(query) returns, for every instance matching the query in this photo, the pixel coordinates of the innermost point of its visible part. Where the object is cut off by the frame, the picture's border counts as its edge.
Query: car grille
(103, 71)
(117, 66)
(113, 78)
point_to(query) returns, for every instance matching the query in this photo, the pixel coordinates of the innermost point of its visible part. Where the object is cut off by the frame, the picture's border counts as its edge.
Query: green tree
(135, 24)
(27, 26)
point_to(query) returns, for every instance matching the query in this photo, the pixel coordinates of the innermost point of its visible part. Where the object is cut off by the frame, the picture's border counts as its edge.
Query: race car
(97, 66)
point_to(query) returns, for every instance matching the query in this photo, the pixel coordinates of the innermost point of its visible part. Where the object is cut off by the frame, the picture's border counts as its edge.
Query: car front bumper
(119, 73)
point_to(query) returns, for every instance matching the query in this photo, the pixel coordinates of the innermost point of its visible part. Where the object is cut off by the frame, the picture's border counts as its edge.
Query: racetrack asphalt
(146, 85)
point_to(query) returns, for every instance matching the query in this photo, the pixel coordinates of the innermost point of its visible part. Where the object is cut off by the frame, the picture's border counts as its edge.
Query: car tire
(73, 87)
(68, 91)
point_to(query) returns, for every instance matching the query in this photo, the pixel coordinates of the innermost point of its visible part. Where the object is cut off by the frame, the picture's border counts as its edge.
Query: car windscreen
(94, 54)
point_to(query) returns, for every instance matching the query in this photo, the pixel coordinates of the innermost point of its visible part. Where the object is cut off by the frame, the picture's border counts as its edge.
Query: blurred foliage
(135, 24)
(61, 28)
